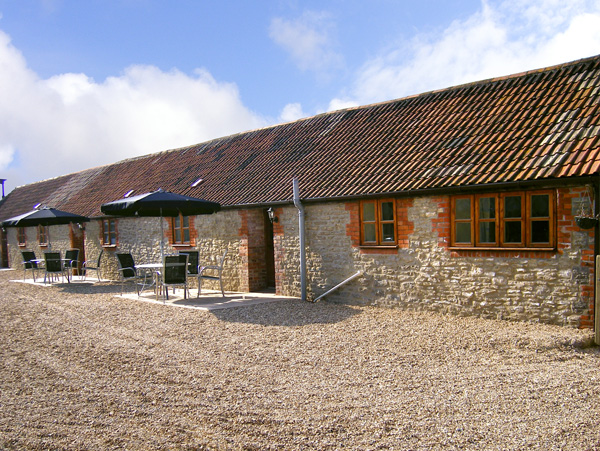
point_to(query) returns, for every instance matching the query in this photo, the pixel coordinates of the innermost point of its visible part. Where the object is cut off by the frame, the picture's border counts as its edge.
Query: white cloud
(291, 112)
(70, 122)
(309, 41)
(502, 38)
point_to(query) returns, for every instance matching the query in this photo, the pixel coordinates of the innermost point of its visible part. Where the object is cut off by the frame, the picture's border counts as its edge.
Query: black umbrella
(160, 203)
(45, 216)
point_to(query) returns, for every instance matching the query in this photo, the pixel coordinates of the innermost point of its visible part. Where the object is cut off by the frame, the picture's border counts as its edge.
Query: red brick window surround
(180, 227)
(42, 233)
(378, 226)
(508, 220)
(21, 236)
(108, 232)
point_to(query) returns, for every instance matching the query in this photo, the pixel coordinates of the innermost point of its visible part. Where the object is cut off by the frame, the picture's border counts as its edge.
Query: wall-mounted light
(272, 216)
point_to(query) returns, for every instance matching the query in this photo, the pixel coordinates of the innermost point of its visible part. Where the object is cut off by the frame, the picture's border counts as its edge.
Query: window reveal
(181, 229)
(109, 232)
(378, 222)
(42, 235)
(21, 236)
(510, 220)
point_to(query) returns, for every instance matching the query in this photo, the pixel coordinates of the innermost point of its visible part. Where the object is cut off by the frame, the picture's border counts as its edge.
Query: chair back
(53, 262)
(175, 269)
(99, 258)
(28, 257)
(192, 261)
(127, 265)
(72, 255)
(222, 262)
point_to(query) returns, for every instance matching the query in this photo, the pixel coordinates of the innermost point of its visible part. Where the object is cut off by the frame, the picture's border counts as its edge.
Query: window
(42, 235)
(109, 232)
(378, 222)
(21, 236)
(508, 220)
(181, 229)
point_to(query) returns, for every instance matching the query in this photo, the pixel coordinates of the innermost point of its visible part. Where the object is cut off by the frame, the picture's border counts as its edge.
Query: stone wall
(59, 239)
(212, 235)
(424, 274)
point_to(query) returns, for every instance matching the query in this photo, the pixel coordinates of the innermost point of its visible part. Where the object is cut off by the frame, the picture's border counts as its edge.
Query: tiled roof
(543, 124)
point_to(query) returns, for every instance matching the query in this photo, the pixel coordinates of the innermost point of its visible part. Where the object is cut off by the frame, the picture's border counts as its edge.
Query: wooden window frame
(181, 229)
(42, 234)
(111, 234)
(21, 236)
(526, 220)
(378, 222)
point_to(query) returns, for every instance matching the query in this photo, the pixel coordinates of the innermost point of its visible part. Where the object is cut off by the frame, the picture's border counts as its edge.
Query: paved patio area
(208, 300)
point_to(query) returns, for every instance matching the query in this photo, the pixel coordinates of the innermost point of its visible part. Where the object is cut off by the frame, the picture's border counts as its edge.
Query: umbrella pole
(162, 250)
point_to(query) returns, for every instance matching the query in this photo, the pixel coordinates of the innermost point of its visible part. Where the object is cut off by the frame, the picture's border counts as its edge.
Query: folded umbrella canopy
(160, 203)
(45, 216)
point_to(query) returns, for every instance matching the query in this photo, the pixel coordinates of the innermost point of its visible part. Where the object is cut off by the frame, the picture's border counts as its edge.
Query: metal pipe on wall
(300, 208)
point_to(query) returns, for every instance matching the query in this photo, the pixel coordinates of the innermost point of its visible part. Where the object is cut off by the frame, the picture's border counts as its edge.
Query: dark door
(4, 248)
(269, 251)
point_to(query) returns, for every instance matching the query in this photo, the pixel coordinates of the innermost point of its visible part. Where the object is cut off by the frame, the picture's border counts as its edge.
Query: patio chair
(53, 266)
(71, 261)
(192, 262)
(128, 272)
(87, 267)
(30, 263)
(215, 272)
(174, 273)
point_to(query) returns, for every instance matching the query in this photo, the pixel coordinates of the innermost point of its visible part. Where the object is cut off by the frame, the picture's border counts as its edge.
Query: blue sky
(88, 82)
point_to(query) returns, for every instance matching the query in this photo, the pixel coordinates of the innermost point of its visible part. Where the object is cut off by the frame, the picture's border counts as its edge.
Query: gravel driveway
(82, 369)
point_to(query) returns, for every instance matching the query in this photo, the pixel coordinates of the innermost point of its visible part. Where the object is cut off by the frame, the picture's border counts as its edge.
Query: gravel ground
(81, 369)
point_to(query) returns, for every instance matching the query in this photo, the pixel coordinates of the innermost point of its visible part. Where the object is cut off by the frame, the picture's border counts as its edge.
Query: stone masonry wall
(60, 239)
(424, 274)
(211, 235)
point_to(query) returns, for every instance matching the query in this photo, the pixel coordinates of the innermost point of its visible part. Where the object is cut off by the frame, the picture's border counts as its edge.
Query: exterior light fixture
(272, 216)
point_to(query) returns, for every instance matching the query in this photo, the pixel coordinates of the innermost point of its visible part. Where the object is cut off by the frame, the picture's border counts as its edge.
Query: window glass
(514, 219)
(463, 232)
(387, 234)
(43, 234)
(487, 208)
(540, 231)
(512, 232)
(540, 206)
(387, 211)
(369, 211)
(378, 222)
(462, 208)
(487, 232)
(512, 207)
(370, 234)
(109, 232)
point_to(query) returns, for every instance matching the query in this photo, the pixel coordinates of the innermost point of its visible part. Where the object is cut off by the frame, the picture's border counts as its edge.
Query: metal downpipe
(300, 208)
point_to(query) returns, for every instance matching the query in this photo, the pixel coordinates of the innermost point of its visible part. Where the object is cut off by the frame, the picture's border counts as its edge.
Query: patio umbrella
(161, 204)
(45, 216)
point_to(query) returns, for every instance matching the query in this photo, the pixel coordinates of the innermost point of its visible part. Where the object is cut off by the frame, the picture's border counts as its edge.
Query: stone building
(463, 200)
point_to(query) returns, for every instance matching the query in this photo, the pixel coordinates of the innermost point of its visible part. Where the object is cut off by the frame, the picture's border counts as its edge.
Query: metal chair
(128, 272)
(86, 267)
(53, 266)
(192, 262)
(71, 261)
(30, 263)
(174, 273)
(215, 273)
